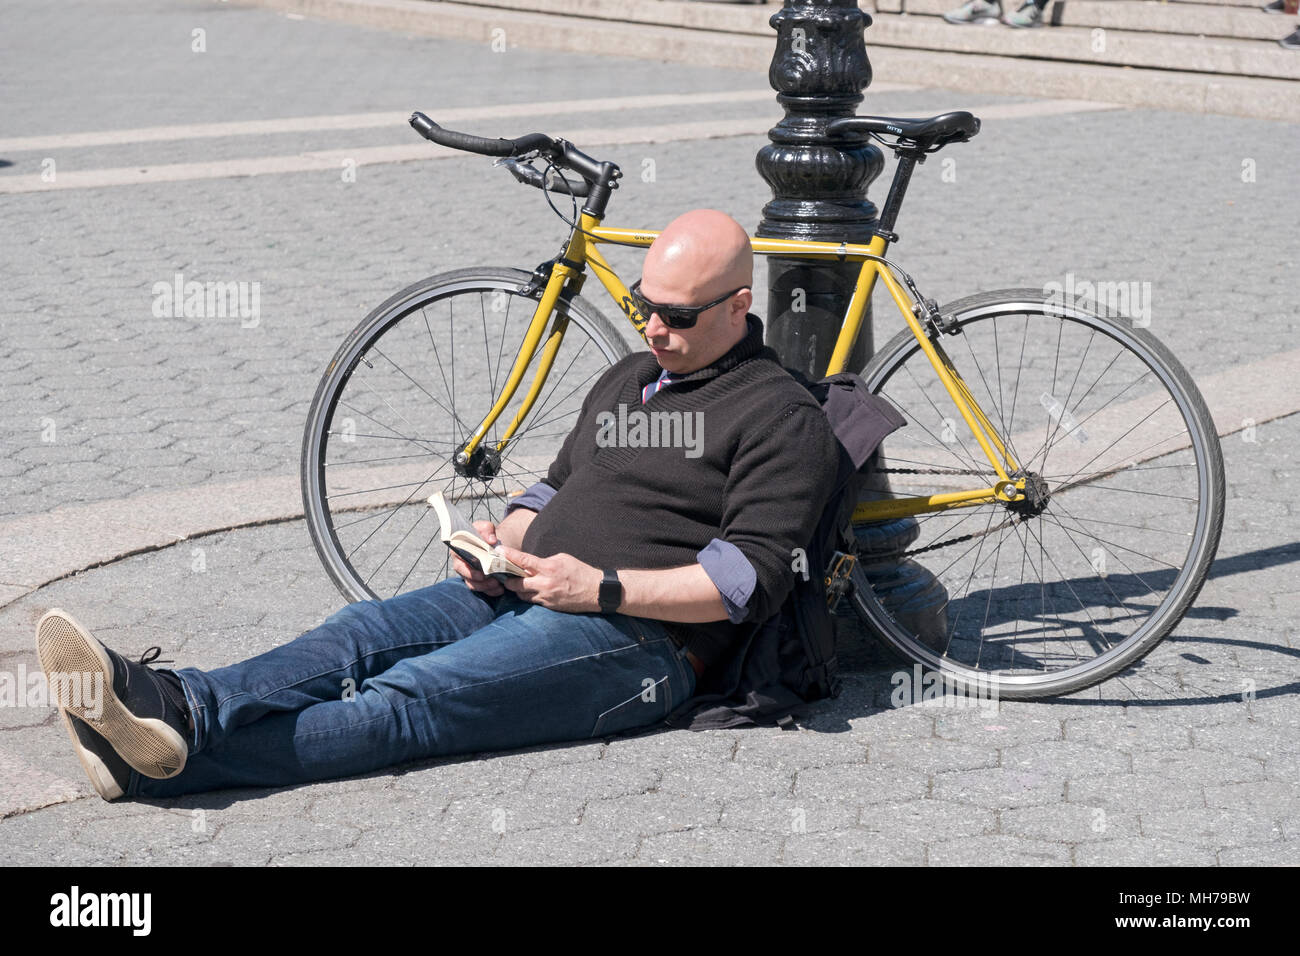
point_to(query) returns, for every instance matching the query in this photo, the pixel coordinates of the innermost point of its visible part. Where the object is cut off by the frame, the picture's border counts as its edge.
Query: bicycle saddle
(955, 127)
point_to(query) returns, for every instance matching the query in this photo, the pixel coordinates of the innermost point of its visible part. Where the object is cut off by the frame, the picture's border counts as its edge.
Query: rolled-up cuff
(732, 575)
(535, 497)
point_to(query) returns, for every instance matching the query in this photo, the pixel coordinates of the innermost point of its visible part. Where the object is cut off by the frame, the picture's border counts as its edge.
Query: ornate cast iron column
(819, 186)
(819, 190)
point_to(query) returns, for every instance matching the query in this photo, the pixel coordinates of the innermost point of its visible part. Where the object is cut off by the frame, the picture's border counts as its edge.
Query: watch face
(611, 592)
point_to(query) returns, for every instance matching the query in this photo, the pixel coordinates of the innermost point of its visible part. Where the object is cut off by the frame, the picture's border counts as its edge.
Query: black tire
(366, 507)
(1043, 601)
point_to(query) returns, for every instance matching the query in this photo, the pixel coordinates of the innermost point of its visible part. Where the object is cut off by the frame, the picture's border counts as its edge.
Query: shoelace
(168, 680)
(156, 657)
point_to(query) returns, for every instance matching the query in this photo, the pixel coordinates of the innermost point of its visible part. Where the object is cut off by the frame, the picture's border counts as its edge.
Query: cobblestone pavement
(1190, 758)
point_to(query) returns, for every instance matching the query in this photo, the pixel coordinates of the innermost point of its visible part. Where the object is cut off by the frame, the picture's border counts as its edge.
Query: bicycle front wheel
(400, 397)
(1123, 514)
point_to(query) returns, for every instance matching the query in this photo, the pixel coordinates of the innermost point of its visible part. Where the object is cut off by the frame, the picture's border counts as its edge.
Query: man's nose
(655, 326)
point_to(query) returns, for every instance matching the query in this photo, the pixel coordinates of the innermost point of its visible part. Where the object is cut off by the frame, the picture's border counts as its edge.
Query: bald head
(704, 252)
(699, 257)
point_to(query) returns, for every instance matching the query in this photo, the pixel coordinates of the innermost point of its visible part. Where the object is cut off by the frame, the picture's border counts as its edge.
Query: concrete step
(1116, 46)
(1139, 16)
(1079, 44)
(742, 47)
(1251, 4)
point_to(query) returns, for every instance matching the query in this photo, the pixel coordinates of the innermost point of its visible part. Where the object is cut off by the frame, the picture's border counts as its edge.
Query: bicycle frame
(568, 274)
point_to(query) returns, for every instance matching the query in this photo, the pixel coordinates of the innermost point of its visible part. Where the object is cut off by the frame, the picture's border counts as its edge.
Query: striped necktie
(654, 386)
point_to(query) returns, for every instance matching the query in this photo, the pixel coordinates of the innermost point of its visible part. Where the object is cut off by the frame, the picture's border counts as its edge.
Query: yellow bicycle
(1046, 517)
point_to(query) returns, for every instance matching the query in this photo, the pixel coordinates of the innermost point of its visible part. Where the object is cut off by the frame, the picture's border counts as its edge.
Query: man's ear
(743, 302)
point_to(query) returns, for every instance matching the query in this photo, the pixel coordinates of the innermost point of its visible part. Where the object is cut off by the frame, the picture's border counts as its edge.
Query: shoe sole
(149, 746)
(981, 22)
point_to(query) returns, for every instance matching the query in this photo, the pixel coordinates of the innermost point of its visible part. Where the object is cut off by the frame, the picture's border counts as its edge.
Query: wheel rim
(1105, 593)
(400, 398)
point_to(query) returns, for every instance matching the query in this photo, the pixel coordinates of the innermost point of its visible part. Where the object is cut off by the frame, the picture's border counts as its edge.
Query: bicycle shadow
(873, 661)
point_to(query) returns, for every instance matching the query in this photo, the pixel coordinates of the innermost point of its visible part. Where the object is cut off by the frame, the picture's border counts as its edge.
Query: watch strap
(610, 595)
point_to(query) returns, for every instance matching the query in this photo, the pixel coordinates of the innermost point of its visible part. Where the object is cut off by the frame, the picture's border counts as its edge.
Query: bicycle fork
(558, 279)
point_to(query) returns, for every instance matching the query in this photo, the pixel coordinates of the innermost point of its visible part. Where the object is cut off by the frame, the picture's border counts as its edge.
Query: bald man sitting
(647, 565)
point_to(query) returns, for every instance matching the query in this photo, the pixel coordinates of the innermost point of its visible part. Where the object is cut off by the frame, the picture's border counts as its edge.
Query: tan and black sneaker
(129, 716)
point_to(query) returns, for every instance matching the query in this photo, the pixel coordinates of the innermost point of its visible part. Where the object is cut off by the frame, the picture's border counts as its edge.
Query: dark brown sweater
(758, 477)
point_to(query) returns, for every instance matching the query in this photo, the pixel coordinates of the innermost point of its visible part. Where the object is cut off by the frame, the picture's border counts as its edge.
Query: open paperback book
(460, 536)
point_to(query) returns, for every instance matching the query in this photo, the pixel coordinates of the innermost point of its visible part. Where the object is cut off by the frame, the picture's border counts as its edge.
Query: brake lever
(532, 176)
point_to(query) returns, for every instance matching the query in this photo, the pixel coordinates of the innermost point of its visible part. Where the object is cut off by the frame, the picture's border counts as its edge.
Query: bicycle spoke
(970, 459)
(1048, 618)
(368, 519)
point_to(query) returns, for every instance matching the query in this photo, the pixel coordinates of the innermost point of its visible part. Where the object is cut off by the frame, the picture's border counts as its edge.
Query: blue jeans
(437, 671)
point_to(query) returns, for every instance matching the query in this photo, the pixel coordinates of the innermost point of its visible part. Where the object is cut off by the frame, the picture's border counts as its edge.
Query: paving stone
(864, 784)
(424, 846)
(389, 811)
(927, 820)
(787, 815)
(1128, 735)
(566, 846)
(1023, 724)
(1205, 766)
(1257, 793)
(800, 749)
(48, 837)
(932, 756)
(506, 813)
(595, 781)
(709, 846)
(1272, 854)
(998, 850)
(649, 813)
(1142, 851)
(999, 787)
(850, 847)
(1068, 823)
(1047, 756)
(468, 777)
(1212, 826)
(659, 749)
(1126, 792)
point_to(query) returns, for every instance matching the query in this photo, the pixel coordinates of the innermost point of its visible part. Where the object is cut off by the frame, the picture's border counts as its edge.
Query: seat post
(897, 190)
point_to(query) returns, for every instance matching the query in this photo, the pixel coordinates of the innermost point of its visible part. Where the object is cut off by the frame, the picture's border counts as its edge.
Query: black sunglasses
(674, 316)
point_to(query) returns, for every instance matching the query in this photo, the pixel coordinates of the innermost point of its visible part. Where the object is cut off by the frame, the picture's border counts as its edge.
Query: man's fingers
(529, 562)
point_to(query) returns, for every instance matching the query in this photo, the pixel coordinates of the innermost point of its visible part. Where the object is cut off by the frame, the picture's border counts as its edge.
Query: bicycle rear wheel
(1057, 593)
(402, 394)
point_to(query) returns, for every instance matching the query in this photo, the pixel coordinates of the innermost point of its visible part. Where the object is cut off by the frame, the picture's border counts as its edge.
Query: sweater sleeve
(780, 481)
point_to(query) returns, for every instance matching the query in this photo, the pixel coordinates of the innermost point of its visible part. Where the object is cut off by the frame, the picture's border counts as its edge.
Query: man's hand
(560, 582)
(476, 579)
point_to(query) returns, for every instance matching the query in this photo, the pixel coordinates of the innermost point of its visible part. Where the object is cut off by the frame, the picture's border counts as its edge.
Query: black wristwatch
(610, 595)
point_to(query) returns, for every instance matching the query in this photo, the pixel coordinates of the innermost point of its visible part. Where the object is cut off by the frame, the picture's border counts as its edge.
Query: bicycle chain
(929, 471)
(958, 540)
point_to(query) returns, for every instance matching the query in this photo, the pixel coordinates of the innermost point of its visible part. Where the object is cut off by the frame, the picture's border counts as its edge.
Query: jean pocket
(649, 705)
